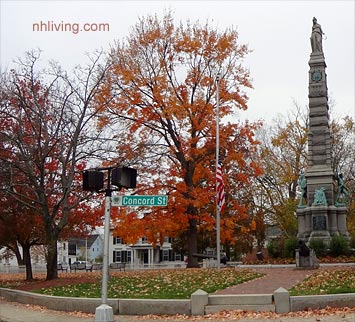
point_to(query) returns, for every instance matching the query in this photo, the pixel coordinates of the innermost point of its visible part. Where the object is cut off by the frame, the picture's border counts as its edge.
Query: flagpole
(218, 219)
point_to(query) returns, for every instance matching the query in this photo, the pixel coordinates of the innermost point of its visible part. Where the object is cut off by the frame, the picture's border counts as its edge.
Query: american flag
(221, 195)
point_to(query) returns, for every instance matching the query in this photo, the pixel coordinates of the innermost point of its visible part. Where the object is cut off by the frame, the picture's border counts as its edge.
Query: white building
(142, 254)
(86, 249)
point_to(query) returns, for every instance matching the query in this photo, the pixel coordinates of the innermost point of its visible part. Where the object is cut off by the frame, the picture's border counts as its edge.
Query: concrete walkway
(274, 278)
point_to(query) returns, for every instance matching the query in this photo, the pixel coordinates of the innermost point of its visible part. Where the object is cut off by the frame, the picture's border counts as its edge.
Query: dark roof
(81, 242)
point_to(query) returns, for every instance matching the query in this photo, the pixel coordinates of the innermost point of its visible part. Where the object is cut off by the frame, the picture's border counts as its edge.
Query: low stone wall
(160, 307)
(300, 303)
(58, 303)
(197, 305)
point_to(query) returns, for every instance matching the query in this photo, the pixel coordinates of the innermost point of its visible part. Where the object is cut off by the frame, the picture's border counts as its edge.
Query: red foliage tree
(46, 123)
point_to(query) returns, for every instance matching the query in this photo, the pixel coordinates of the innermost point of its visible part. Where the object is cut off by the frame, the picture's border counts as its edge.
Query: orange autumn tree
(162, 86)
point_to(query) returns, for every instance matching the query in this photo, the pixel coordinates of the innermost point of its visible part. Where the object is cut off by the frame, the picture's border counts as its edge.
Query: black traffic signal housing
(93, 180)
(124, 177)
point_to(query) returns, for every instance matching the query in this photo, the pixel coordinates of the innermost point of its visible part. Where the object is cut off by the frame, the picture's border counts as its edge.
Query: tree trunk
(15, 249)
(52, 260)
(27, 261)
(227, 248)
(192, 262)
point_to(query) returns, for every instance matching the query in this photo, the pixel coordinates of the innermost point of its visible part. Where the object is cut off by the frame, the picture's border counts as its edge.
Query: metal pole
(105, 263)
(86, 251)
(104, 313)
(218, 219)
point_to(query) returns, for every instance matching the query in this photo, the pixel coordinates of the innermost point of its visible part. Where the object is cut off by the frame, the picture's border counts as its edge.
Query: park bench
(89, 268)
(60, 267)
(97, 267)
(120, 266)
(81, 265)
(223, 258)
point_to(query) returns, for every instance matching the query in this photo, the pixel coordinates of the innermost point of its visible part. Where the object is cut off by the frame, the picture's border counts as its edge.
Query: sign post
(93, 180)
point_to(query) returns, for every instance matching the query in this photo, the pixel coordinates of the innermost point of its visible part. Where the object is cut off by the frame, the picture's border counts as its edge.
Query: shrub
(319, 247)
(275, 248)
(290, 245)
(352, 241)
(339, 245)
(282, 248)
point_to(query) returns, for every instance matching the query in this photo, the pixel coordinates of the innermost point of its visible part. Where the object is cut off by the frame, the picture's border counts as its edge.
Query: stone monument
(322, 209)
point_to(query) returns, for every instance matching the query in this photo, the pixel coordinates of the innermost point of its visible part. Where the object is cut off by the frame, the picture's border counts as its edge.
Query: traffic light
(93, 180)
(124, 177)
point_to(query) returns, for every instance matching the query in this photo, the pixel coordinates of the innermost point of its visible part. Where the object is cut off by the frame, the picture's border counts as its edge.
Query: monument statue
(316, 37)
(343, 191)
(302, 182)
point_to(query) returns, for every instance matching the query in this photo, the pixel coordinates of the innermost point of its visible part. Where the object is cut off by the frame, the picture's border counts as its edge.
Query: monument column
(320, 217)
(319, 173)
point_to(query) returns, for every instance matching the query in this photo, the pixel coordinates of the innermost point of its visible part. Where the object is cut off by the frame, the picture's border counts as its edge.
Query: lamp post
(93, 180)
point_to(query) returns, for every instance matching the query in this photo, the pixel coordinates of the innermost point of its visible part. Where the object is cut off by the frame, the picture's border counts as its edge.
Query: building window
(72, 249)
(165, 255)
(117, 240)
(116, 256)
(122, 256)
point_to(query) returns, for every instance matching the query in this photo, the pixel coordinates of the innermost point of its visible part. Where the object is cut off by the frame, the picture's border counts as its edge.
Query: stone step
(241, 299)
(244, 307)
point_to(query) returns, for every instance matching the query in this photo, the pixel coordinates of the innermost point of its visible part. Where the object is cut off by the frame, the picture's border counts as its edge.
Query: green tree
(343, 151)
(284, 155)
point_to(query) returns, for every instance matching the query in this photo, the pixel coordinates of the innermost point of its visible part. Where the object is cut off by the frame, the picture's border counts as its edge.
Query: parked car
(80, 265)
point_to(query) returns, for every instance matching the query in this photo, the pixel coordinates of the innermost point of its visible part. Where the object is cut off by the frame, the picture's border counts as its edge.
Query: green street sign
(138, 201)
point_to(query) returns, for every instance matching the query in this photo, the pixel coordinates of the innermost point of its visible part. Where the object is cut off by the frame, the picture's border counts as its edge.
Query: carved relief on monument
(319, 223)
(319, 197)
(316, 90)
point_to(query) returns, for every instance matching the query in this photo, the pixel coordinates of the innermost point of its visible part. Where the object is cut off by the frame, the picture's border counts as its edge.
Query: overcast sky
(278, 32)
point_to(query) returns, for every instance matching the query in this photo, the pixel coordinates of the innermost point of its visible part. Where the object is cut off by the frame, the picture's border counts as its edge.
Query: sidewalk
(13, 312)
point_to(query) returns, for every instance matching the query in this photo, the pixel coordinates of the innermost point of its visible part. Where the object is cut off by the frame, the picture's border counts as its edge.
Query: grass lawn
(172, 284)
(327, 282)
(154, 284)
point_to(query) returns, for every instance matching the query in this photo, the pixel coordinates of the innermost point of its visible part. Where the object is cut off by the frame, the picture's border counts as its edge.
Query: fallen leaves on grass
(17, 281)
(155, 284)
(329, 281)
